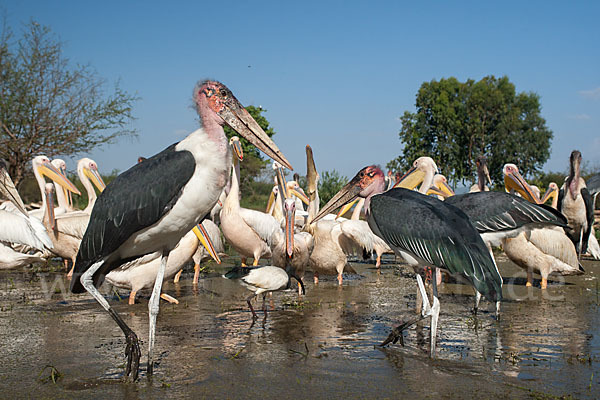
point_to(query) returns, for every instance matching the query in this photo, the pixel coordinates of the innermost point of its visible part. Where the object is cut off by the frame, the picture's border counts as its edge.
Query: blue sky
(333, 74)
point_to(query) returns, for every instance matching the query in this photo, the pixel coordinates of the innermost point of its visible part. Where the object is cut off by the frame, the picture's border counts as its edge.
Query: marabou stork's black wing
(561, 196)
(436, 233)
(589, 216)
(593, 184)
(499, 211)
(136, 199)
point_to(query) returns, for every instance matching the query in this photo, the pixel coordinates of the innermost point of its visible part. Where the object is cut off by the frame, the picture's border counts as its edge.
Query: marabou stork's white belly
(198, 197)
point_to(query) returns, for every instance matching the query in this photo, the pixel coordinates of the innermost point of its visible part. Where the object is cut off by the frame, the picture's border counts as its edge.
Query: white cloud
(580, 117)
(593, 94)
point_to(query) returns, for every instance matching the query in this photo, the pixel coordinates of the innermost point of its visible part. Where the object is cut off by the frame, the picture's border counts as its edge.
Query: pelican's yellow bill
(203, 237)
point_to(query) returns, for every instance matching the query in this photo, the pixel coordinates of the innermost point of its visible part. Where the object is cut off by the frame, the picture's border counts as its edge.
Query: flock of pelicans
(156, 216)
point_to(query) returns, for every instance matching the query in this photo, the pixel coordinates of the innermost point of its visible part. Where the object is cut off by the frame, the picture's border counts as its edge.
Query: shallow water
(321, 345)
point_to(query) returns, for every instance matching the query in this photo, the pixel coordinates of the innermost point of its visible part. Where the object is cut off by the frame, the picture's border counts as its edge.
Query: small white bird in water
(262, 280)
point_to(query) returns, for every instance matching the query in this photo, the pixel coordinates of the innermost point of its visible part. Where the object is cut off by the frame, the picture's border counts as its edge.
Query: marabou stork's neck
(573, 179)
(480, 179)
(212, 125)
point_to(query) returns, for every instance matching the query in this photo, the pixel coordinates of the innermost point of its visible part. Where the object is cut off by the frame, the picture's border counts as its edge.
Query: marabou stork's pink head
(214, 101)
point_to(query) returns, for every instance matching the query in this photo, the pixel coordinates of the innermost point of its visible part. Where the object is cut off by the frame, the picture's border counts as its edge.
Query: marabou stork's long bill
(425, 232)
(149, 207)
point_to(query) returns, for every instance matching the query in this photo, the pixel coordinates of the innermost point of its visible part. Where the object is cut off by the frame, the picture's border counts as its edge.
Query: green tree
(49, 106)
(455, 122)
(329, 184)
(253, 166)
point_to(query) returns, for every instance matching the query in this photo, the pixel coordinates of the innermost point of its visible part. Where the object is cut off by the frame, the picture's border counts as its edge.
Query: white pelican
(329, 255)
(43, 167)
(358, 230)
(246, 230)
(141, 273)
(290, 250)
(150, 207)
(214, 234)
(545, 250)
(17, 227)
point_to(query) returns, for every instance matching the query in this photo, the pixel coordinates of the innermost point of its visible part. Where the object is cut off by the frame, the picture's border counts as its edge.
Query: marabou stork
(575, 202)
(482, 174)
(425, 232)
(500, 217)
(149, 207)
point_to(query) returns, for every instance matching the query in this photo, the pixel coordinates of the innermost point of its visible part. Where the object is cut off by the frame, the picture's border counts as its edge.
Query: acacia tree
(455, 122)
(49, 106)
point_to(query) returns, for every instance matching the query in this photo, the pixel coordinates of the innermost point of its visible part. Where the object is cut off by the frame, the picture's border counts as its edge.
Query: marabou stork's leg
(426, 311)
(477, 300)
(132, 350)
(435, 313)
(196, 274)
(153, 308)
(177, 276)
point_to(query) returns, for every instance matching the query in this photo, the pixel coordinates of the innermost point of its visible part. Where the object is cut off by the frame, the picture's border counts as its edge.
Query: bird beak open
(345, 195)
(411, 179)
(49, 170)
(346, 208)
(441, 189)
(95, 178)
(515, 181)
(550, 193)
(242, 122)
(203, 237)
(8, 189)
(237, 148)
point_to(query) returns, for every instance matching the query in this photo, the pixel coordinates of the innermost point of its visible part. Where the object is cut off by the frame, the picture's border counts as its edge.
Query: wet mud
(54, 344)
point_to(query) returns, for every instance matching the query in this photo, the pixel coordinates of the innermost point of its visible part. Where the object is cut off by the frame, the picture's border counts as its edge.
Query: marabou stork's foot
(395, 335)
(133, 354)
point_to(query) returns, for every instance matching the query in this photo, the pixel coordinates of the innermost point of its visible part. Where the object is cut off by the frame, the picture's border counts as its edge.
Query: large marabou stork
(575, 201)
(500, 217)
(425, 232)
(149, 207)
